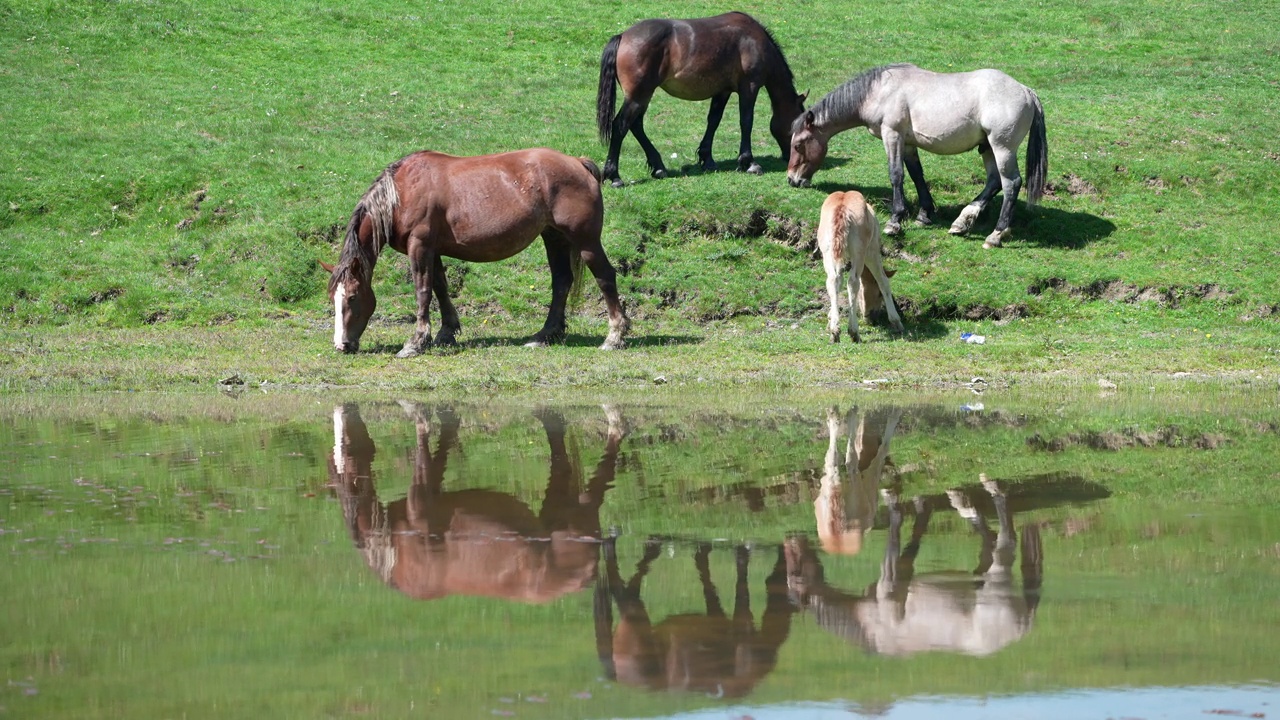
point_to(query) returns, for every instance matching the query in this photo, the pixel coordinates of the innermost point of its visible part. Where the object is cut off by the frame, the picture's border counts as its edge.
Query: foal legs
(834, 271)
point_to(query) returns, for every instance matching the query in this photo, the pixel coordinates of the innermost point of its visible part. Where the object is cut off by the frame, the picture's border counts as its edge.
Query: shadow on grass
(1041, 226)
(772, 165)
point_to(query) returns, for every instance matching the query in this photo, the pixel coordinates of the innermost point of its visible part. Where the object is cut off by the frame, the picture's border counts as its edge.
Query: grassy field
(172, 172)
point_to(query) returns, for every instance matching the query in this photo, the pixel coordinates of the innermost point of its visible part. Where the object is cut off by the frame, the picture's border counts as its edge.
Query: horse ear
(804, 96)
(808, 119)
(327, 267)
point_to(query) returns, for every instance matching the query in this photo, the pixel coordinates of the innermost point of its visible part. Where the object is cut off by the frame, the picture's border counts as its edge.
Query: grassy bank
(172, 173)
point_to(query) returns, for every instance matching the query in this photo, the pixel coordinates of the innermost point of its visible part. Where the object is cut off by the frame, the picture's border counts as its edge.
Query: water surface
(849, 556)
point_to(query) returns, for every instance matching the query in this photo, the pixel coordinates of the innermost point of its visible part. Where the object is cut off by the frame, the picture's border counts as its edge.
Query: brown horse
(694, 60)
(429, 205)
(710, 653)
(434, 543)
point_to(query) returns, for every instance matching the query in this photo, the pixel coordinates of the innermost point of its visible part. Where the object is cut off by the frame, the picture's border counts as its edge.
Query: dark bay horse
(429, 205)
(435, 542)
(694, 60)
(945, 113)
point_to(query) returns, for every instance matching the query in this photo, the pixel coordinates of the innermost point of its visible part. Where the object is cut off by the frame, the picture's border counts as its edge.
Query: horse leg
(607, 279)
(421, 261)
(893, 148)
(709, 594)
(971, 211)
(875, 264)
(553, 330)
(742, 616)
(911, 158)
(714, 115)
(449, 323)
(656, 169)
(630, 118)
(852, 281)
(834, 272)
(746, 118)
(1011, 183)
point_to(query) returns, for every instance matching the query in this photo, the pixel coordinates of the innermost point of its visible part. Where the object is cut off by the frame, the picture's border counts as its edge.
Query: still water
(850, 556)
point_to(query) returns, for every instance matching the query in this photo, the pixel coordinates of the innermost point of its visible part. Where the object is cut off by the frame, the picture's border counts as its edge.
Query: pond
(851, 554)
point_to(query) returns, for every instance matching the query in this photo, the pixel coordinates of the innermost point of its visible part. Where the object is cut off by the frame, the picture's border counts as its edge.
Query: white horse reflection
(974, 613)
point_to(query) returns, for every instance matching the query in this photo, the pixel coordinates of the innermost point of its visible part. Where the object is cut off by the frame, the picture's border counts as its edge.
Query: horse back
(691, 59)
(846, 217)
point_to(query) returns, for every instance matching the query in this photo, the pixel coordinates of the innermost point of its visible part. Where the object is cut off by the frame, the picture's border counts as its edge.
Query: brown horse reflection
(904, 613)
(849, 491)
(435, 543)
(712, 652)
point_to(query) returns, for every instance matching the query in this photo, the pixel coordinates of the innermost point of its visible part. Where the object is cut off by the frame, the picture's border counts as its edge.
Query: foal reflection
(849, 491)
(712, 653)
(903, 613)
(435, 543)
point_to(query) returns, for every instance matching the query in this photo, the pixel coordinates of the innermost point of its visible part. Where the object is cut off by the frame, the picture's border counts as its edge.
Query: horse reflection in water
(903, 613)
(712, 653)
(849, 491)
(435, 543)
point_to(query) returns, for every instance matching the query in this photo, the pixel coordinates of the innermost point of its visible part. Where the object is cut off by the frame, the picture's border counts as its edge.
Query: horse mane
(776, 60)
(845, 101)
(378, 204)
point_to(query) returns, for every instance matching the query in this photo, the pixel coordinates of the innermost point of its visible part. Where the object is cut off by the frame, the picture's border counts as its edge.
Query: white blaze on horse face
(339, 305)
(339, 430)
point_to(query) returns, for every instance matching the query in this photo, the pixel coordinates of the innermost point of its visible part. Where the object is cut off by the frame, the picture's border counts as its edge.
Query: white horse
(849, 238)
(944, 113)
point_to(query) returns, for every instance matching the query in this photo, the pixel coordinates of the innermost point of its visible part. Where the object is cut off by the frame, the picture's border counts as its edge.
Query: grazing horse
(710, 653)
(849, 238)
(694, 60)
(849, 491)
(904, 613)
(429, 205)
(945, 113)
(434, 543)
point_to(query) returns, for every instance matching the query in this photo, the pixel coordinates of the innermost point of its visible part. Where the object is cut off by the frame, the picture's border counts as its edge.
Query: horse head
(351, 293)
(808, 150)
(785, 113)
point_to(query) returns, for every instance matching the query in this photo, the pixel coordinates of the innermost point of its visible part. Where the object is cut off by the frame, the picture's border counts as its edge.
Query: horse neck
(830, 123)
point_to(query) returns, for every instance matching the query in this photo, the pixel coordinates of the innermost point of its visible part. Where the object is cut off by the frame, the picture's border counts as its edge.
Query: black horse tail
(1037, 155)
(607, 95)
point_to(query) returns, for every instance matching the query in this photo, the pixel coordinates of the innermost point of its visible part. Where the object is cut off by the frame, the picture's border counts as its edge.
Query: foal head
(351, 292)
(808, 150)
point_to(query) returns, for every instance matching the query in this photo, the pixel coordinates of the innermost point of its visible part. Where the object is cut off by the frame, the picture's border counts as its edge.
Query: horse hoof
(613, 344)
(617, 182)
(892, 228)
(408, 352)
(537, 343)
(755, 169)
(710, 166)
(923, 219)
(835, 338)
(659, 174)
(994, 239)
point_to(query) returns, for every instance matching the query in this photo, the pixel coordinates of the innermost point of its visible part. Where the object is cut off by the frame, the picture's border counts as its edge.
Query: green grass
(173, 171)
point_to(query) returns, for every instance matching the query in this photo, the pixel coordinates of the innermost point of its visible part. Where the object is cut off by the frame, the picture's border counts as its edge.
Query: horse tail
(833, 229)
(592, 168)
(1037, 155)
(607, 95)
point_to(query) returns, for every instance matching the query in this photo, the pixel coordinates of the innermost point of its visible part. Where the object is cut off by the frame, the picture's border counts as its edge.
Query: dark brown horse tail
(591, 167)
(1037, 155)
(607, 95)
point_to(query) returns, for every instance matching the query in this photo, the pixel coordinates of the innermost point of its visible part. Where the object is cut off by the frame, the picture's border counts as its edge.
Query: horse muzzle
(797, 181)
(348, 347)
